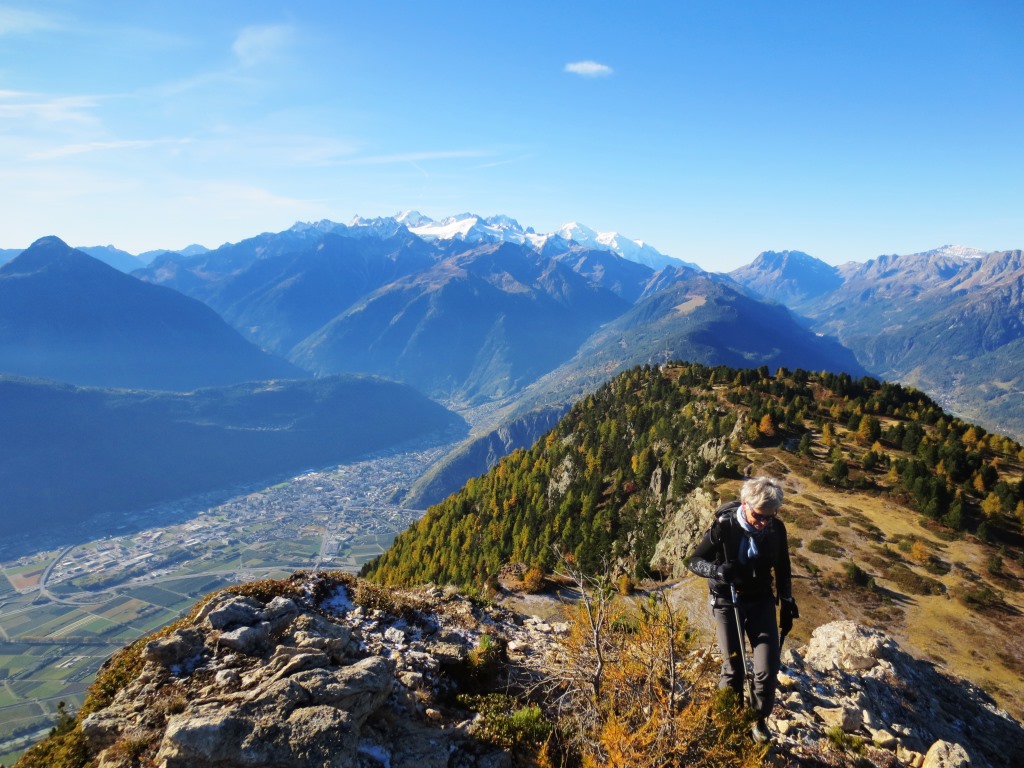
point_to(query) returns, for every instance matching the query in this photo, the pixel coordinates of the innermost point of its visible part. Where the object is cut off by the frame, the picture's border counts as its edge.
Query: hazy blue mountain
(287, 294)
(115, 257)
(949, 324)
(622, 277)
(190, 250)
(201, 275)
(476, 326)
(696, 317)
(789, 277)
(67, 316)
(69, 452)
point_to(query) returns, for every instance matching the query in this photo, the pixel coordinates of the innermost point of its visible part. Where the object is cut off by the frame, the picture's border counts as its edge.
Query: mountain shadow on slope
(71, 452)
(67, 316)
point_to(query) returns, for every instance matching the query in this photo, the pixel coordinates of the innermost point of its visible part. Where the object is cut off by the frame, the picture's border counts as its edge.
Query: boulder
(179, 647)
(234, 611)
(251, 640)
(943, 754)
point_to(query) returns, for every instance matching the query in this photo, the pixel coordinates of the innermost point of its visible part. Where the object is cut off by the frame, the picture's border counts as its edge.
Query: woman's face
(756, 517)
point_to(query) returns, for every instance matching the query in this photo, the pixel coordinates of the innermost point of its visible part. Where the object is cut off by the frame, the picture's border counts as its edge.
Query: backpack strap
(722, 516)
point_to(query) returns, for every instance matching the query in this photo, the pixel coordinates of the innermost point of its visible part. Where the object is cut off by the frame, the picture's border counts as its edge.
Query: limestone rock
(181, 647)
(861, 681)
(942, 754)
(247, 639)
(234, 611)
(846, 718)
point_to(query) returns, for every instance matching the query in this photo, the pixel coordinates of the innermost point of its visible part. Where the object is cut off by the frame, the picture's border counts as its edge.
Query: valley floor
(65, 609)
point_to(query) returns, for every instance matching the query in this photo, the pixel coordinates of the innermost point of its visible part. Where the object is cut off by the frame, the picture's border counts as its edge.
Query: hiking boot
(760, 732)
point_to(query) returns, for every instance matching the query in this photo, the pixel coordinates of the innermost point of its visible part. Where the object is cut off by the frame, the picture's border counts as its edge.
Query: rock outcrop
(310, 680)
(855, 685)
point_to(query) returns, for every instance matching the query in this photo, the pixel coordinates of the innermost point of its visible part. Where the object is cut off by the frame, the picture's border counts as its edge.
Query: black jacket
(755, 579)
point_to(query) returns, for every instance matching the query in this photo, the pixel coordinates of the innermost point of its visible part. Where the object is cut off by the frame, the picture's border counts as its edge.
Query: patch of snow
(375, 752)
(339, 602)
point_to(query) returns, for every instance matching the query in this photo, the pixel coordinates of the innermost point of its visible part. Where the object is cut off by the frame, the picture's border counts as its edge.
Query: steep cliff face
(328, 670)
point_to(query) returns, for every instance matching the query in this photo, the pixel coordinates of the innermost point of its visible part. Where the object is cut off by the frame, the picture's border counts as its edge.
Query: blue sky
(712, 130)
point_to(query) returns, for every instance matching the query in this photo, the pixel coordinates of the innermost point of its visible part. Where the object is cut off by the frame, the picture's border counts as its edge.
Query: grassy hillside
(901, 516)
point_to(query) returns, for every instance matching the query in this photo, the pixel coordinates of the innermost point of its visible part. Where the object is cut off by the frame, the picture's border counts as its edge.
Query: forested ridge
(599, 486)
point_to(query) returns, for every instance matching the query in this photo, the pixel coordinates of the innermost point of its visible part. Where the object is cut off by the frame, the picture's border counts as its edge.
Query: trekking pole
(739, 630)
(743, 645)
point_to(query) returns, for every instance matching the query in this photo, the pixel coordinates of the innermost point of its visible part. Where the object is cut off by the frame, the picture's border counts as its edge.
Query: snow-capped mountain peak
(473, 228)
(632, 250)
(412, 219)
(956, 251)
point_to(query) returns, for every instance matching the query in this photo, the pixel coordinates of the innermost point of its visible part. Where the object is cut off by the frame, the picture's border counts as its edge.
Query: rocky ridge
(329, 670)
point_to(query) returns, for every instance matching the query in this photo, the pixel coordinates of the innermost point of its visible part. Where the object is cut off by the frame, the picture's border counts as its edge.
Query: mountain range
(949, 321)
(507, 325)
(470, 310)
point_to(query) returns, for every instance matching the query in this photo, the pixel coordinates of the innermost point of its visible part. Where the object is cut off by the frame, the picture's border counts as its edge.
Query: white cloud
(14, 21)
(93, 146)
(588, 69)
(75, 110)
(257, 44)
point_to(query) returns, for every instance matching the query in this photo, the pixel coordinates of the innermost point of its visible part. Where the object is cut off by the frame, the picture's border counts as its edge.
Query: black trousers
(762, 630)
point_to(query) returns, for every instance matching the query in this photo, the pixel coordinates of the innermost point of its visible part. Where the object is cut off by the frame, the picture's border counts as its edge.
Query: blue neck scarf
(748, 545)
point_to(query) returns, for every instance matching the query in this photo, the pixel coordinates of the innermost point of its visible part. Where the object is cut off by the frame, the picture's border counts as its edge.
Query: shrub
(533, 580)
(825, 547)
(857, 576)
(980, 598)
(627, 696)
(914, 583)
(625, 585)
(994, 565)
(507, 725)
(841, 741)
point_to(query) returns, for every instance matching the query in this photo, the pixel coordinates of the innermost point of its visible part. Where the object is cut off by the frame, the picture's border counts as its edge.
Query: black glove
(788, 612)
(730, 574)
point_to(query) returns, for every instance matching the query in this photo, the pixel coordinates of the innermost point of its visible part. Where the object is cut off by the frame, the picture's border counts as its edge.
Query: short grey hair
(764, 493)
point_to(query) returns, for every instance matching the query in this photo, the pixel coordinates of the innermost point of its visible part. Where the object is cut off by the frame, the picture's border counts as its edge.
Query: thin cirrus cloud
(588, 69)
(14, 22)
(415, 157)
(256, 44)
(22, 106)
(95, 146)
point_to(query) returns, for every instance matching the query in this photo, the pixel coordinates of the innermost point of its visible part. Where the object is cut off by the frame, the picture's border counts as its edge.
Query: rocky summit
(330, 670)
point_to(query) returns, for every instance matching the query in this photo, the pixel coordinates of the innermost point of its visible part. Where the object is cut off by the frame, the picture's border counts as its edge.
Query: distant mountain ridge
(472, 228)
(66, 316)
(949, 321)
(467, 309)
